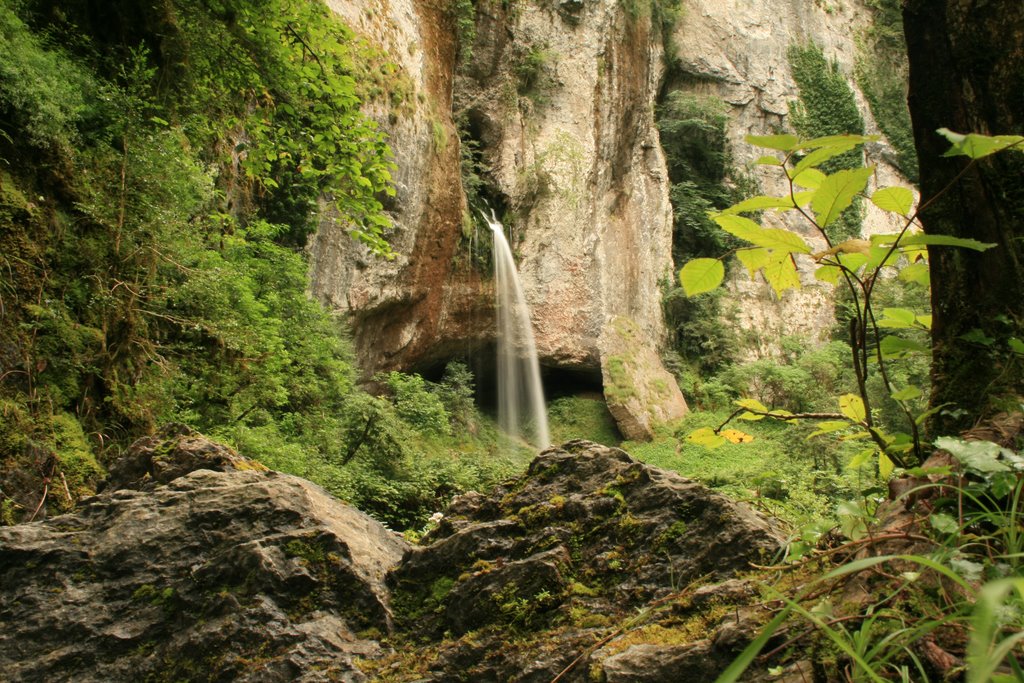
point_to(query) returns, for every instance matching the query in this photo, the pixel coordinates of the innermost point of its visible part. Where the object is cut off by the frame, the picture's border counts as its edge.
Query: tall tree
(967, 74)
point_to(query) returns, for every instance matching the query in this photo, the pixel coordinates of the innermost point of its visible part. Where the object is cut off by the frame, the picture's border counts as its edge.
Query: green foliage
(534, 72)
(416, 405)
(859, 264)
(780, 471)
(40, 92)
(693, 135)
(157, 274)
(582, 417)
(463, 15)
(968, 581)
(827, 107)
(882, 73)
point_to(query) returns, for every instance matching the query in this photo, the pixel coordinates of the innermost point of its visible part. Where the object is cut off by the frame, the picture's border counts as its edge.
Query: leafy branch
(821, 200)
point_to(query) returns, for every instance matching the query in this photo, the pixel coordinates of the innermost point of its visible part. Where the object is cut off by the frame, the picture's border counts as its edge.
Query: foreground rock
(540, 570)
(232, 575)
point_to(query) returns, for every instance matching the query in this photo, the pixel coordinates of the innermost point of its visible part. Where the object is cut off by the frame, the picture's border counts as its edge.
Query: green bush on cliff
(155, 196)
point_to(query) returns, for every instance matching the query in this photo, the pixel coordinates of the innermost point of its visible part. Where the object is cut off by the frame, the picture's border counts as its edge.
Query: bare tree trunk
(967, 74)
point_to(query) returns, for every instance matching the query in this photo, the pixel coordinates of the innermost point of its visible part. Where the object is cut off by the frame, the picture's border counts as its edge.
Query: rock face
(213, 575)
(736, 51)
(640, 392)
(558, 99)
(583, 540)
(251, 575)
(555, 110)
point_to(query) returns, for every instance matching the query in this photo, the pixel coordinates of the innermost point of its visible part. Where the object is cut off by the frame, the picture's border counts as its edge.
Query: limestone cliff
(555, 107)
(737, 51)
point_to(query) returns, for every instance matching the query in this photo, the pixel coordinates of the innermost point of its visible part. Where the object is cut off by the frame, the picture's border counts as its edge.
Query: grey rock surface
(236, 575)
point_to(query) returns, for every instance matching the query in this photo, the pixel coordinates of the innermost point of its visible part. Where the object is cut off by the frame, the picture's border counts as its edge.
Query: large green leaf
(701, 275)
(837, 192)
(784, 143)
(979, 456)
(754, 259)
(781, 274)
(766, 202)
(852, 406)
(945, 241)
(772, 238)
(897, 318)
(810, 178)
(896, 347)
(896, 199)
(818, 157)
(977, 146)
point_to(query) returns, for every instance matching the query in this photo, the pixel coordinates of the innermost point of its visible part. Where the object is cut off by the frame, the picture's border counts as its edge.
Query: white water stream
(521, 408)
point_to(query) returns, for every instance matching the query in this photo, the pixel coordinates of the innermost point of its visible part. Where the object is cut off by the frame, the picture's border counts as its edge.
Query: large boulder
(241, 574)
(583, 540)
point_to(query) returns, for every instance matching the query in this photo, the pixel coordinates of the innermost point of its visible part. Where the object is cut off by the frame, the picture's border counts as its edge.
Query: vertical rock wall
(736, 50)
(558, 102)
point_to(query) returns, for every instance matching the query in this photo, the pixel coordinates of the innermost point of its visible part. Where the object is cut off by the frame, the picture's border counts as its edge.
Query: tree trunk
(967, 74)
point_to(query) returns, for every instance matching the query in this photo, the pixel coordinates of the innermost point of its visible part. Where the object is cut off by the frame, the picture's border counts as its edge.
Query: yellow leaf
(736, 436)
(885, 466)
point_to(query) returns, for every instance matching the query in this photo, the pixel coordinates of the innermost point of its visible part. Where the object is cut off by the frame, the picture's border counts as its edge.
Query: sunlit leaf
(837, 192)
(701, 275)
(820, 156)
(852, 406)
(907, 393)
(918, 273)
(768, 161)
(895, 199)
(945, 241)
(852, 262)
(829, 274)
(705, 436)
(885, 466)
(810, 178)
(896, 347)
(772, 238)
(751, 404)
(828, 427)
(977, 146)
(736, 436)
(754, 259)
(1016, 345)
(781, 274)
(897, 318)
(861, 458)
(784, 143)
(882, 256)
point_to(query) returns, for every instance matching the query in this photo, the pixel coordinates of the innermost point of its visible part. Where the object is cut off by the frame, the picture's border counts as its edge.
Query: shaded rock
(586, 537)
(174, 451)
(641, 394)
(233, 575)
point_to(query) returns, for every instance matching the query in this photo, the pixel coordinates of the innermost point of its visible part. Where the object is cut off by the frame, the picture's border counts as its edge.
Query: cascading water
(521, 408)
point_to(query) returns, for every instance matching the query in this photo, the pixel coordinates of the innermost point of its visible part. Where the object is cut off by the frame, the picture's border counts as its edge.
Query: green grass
(583, 416)
(795, 479)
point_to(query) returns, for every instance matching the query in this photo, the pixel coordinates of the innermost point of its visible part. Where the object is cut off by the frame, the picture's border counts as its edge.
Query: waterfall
(521, 408)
